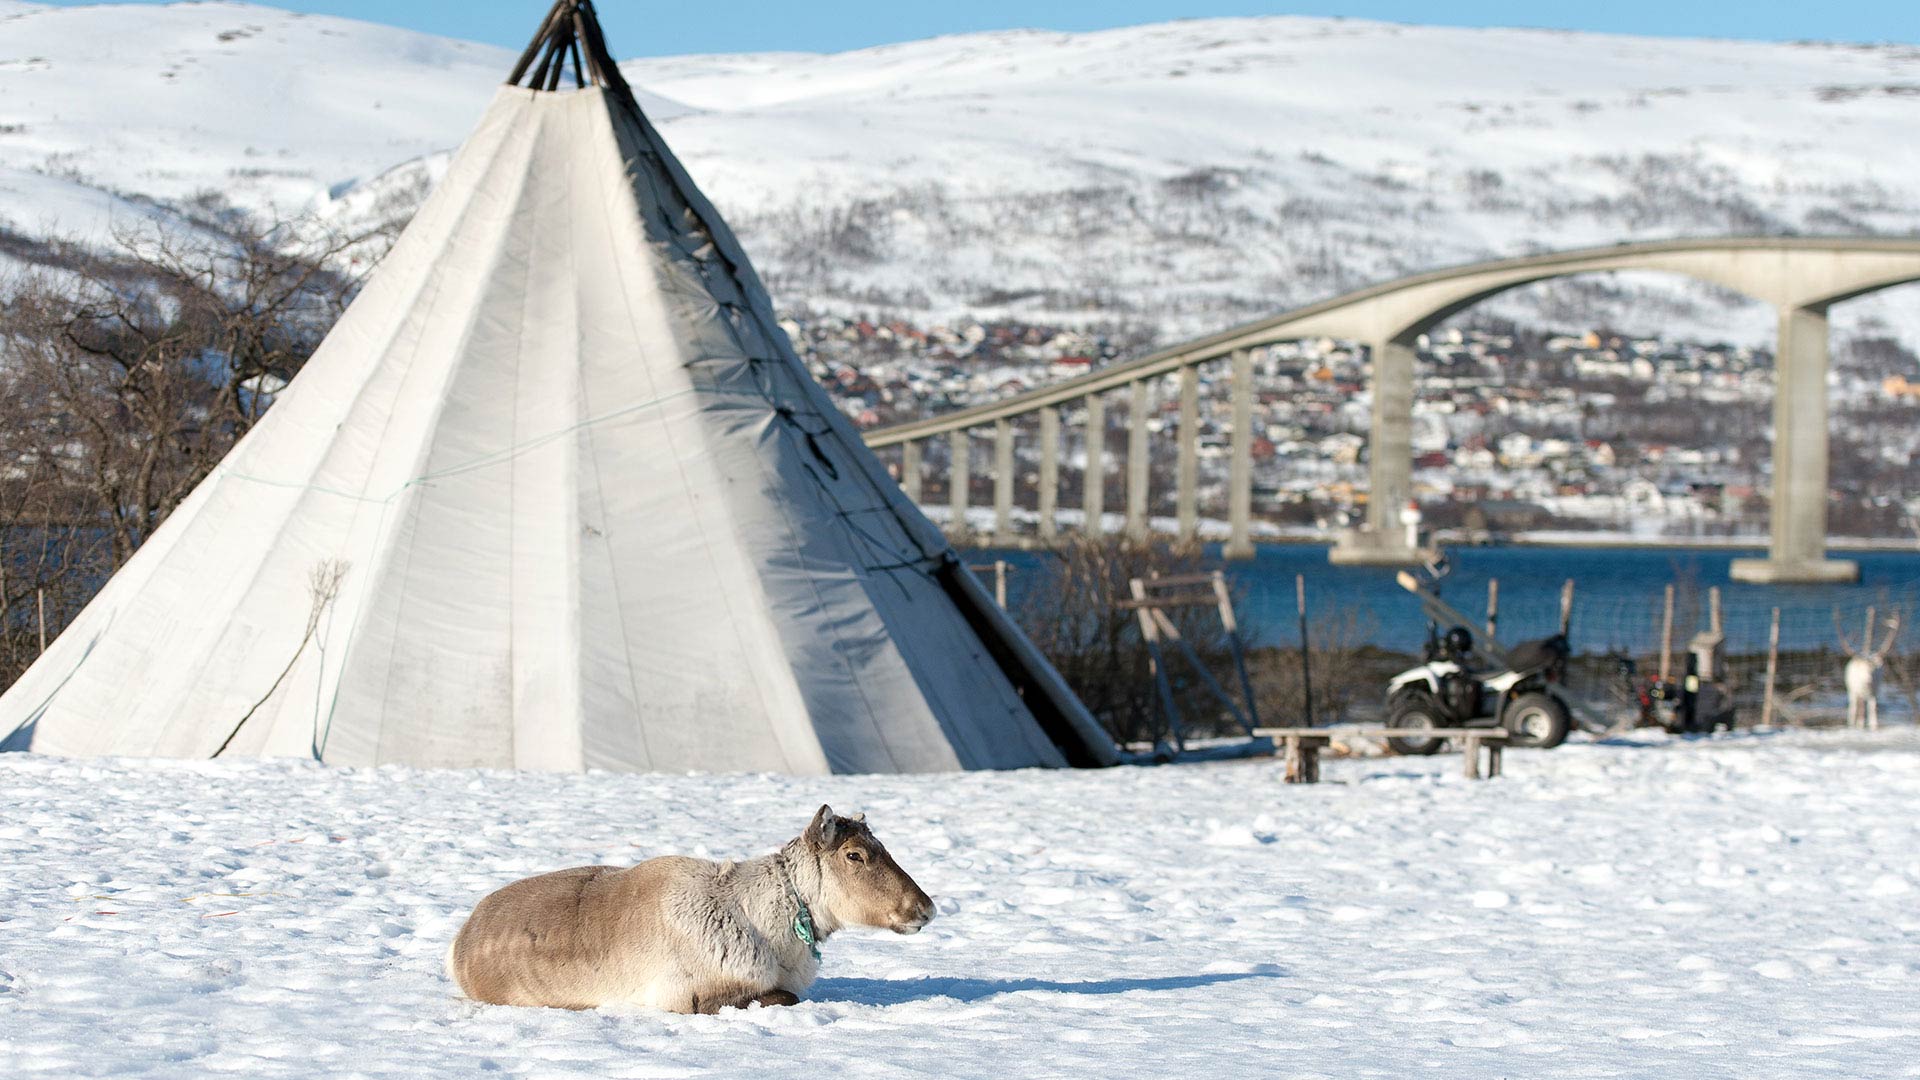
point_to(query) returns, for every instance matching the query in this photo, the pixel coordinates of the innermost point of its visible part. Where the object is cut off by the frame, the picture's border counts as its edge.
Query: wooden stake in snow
(1773, 669)
(1000, 570)
(1666, 640)
(1306, 655)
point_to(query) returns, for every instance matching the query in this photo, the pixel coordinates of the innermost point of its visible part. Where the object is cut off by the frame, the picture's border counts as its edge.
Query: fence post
(1000, 583)
(1666, 640)
(1306, 654)
(1773, 668)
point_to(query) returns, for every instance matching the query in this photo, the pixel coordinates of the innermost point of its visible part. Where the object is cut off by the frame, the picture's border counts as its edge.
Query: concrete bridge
(1800, 277)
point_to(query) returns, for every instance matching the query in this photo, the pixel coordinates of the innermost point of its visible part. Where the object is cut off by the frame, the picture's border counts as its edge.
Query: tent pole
(562, 39)
(573, 46)
(540, 36)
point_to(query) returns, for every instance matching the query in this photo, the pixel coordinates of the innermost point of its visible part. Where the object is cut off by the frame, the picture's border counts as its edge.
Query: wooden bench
(1303, 746)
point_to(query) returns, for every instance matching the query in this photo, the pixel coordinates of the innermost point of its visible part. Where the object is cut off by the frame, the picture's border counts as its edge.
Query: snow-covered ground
(1743, 907)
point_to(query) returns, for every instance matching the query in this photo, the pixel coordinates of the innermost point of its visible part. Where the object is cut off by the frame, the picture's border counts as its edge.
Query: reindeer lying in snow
(686, 935)
(1863, 672)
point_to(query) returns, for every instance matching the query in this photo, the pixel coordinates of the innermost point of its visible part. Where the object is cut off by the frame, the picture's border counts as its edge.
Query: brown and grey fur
(681, 934)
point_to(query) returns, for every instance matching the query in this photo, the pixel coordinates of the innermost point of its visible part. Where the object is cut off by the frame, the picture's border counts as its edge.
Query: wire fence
(1805, 640)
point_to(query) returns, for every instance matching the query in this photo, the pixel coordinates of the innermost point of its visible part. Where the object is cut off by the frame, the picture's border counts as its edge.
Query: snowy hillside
(1180, 175)
(1702, 909)
(255, 104)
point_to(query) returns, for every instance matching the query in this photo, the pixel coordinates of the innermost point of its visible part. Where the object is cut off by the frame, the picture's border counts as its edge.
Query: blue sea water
(1618, 594)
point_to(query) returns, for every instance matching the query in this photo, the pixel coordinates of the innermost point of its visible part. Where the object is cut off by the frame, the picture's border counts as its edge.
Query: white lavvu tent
(556, 493)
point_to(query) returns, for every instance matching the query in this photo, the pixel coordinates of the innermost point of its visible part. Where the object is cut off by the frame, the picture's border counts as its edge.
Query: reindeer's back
(570, 939)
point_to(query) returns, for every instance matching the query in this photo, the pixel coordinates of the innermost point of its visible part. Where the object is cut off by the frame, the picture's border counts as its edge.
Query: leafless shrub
(1074, 616)
(49, 568)
(1346, 672)
(125, 375)
(134, 372)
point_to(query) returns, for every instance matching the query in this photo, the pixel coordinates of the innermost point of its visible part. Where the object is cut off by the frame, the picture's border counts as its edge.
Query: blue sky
(661, 27)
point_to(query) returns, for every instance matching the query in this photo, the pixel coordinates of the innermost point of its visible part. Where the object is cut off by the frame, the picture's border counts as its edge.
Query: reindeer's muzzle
(917, 913)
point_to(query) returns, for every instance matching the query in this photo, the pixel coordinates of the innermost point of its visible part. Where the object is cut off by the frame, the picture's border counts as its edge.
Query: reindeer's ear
(858, 817)
(824, 830)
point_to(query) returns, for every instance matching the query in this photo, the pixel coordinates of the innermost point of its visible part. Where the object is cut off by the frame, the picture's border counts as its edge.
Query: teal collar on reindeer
(803, 922)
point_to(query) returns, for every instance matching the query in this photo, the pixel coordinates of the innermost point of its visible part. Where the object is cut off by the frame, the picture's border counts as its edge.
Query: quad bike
(1512, 689)
(1448, 692)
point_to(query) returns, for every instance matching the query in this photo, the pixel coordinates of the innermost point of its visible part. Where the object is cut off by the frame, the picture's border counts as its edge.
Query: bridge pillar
(959, 479)
(1003, 478)
(1093, 487)
(1186, 493)
(1383, 539)
(1799, 512)
(1138, 463)
(1049, 471)
(910, 469)
(1240, 464)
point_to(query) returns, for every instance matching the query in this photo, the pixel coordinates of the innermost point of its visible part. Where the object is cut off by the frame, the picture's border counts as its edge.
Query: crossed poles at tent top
(569, 34)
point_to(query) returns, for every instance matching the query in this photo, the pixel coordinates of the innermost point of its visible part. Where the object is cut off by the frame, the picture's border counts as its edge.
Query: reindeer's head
(860, 884)
(1865, 654)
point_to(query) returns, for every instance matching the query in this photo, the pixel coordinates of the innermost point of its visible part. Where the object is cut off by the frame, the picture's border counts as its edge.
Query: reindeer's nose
(917, 914)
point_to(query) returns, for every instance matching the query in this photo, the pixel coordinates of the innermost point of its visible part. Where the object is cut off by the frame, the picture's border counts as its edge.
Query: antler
(1846, 645)
(1893, 631)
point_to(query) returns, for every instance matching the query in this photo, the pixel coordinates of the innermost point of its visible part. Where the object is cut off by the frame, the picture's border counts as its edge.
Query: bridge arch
(1813, 286)
(1432, 320)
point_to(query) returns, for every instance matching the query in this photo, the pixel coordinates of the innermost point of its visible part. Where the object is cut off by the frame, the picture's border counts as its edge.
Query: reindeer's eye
(856, 855)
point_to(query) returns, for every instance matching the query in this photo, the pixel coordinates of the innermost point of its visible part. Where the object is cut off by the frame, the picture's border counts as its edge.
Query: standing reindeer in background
(1863, 671)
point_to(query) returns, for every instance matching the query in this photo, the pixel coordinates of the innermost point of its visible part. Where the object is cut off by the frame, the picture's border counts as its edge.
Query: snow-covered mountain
(1180, 175)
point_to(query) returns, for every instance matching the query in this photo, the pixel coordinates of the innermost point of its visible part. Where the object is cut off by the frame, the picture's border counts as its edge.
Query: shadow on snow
(897, 991)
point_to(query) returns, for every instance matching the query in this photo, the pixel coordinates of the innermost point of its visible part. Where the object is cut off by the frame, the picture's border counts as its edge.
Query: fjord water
(1619, 593)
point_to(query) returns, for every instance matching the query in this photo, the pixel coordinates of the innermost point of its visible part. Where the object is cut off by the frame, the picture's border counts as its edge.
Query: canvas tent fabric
(555, 493)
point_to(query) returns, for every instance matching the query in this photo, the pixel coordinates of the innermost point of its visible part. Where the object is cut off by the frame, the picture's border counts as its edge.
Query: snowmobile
(1453, 688)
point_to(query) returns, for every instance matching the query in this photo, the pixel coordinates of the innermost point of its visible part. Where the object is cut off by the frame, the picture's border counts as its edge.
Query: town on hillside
(1516, 431)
